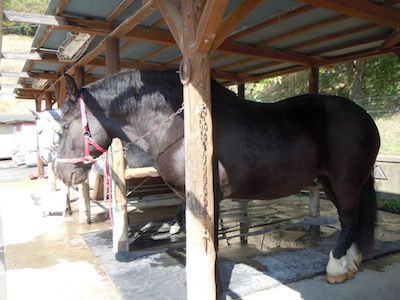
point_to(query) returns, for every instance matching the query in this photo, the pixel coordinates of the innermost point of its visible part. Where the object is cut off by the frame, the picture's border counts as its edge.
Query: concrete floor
(46, 258)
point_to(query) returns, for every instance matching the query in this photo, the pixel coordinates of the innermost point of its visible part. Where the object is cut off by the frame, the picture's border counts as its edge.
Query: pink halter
(87, 159)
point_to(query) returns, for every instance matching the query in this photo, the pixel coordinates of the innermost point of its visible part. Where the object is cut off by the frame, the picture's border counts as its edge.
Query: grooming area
(277, 248)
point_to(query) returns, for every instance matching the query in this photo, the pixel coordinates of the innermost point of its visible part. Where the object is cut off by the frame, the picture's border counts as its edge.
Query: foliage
(390, 205)
(31, 6)
(274, 89)
(374, 83)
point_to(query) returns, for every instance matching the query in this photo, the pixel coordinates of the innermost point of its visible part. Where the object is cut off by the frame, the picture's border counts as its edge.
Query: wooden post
(79, 76)
(314, 201)
(241, 90)
(62, 93)
(98, 188)
(112, 56)
(57, 91)
(200, 243)
(313, 83)
(120, 212)
(40, 165)
(48, 99)
(314, 189)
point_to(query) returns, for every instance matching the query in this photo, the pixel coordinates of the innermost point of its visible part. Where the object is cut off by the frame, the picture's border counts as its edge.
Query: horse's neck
(152, 131)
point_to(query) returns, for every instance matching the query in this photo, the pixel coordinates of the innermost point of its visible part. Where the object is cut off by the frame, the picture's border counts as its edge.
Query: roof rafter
(233, 20)
(286, 16)
(209, 23)
(363, 9)
(304, 29)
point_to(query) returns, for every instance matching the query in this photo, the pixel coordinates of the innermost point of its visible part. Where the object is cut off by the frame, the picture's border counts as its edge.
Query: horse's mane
(124, 91)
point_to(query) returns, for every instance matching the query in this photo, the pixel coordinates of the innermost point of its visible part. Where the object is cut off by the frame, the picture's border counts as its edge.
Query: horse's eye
(66, 125)
(39, 131)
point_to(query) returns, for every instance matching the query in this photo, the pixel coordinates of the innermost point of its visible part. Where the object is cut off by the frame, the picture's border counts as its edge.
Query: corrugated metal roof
(299, 34)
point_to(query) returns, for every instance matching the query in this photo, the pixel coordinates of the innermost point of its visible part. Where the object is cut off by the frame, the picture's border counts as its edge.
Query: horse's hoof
(337, 270)
(175, 228)
(339, 278)
(354, 258)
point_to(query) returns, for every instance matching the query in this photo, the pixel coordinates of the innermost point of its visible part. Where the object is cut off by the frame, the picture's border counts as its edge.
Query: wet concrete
(46, 257)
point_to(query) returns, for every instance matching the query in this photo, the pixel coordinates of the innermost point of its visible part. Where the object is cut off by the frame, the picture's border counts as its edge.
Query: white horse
(49, 131)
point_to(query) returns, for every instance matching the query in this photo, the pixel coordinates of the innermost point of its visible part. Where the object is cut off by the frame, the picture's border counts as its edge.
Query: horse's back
(292, 141)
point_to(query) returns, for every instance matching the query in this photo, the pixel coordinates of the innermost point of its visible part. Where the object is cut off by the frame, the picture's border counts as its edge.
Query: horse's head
(49, 130)
(74, 158)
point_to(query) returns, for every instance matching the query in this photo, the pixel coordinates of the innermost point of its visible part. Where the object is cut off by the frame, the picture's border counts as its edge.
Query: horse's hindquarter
(270, 151)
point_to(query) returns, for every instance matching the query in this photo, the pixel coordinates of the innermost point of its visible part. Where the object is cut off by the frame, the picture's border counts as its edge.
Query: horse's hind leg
(345, 257)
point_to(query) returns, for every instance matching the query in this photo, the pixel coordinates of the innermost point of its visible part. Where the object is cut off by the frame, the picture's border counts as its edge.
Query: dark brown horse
(264, 151)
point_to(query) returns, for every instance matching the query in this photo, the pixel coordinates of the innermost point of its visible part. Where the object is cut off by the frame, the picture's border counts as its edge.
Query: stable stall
(233, 41)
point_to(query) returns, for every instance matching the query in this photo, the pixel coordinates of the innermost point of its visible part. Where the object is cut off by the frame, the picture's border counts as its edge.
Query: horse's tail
(367, 217)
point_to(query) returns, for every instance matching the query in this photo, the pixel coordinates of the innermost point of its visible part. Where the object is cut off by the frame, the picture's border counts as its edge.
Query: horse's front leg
(84, 203)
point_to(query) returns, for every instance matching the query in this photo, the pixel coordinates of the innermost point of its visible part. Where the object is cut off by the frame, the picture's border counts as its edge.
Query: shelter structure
(234, 41)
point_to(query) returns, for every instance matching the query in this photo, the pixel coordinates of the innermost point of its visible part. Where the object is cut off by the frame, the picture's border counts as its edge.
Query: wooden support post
(200, 235)
(314, 189)
(112, 56)
(48, 99)
(241, 90)
(313, 83)
(79, 76)
(120, 212)
(40, 165)
(244, 229)
(62, 94)
(314, 200)
(98, 188)
(57, 91)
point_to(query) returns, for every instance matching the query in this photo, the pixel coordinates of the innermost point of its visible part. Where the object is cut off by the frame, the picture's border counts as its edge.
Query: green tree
(31, 6)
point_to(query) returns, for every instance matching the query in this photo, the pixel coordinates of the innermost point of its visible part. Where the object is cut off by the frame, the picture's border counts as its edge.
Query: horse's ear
(71, 87)
(35, 114)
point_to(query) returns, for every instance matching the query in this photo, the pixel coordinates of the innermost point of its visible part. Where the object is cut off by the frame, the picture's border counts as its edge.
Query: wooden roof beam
(392, 40)
(173, 17)
(271, 53)
(35, 75)
(304, 29)
(119, 10)
(334, 36)
(275, 73)
(164, 37)
(359, 54)
(64, 23)
(363, 9)
(209, 23)
(286, 16)
(233, 20)
(354, 43)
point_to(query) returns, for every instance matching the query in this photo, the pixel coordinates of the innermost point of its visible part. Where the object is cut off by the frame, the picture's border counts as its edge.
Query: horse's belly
(275, 182)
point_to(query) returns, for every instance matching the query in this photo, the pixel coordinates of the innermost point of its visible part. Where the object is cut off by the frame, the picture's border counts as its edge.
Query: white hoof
(175, 228)
(337, 269)
(354, 258)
